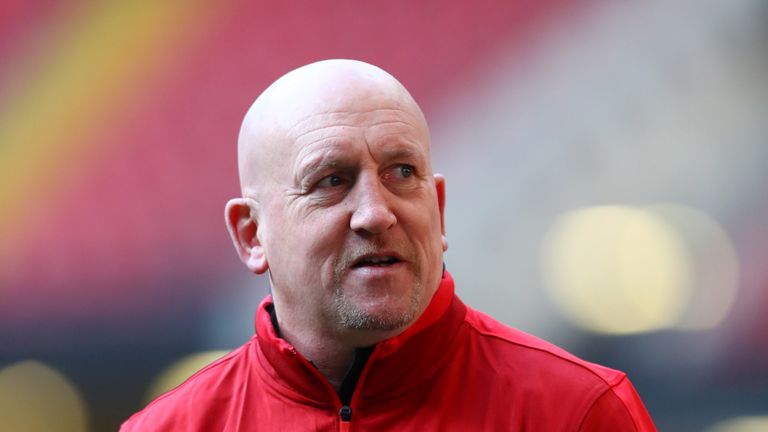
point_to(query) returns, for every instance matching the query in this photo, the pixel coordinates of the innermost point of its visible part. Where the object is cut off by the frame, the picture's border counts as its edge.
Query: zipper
(345, 415)
(348, 385)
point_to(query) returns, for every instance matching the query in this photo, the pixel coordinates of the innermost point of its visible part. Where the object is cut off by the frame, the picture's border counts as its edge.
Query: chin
(379, 315)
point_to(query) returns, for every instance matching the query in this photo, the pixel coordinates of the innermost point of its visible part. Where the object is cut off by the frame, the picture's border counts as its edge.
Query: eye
(401, 174)
(405, 170)
(332, 180)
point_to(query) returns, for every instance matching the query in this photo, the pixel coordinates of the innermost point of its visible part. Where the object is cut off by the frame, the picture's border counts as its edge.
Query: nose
(372, 212)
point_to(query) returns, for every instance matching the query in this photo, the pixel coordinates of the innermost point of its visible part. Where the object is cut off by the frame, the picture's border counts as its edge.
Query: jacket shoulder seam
(610, 389)
(575, 361)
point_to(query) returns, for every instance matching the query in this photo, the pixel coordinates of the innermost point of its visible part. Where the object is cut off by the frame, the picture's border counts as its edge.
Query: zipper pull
(346, 415)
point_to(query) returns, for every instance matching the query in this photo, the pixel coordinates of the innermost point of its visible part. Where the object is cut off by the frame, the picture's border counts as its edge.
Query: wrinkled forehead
(375, 114)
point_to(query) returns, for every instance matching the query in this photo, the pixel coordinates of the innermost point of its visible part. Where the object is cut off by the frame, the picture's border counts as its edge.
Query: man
(362, 330)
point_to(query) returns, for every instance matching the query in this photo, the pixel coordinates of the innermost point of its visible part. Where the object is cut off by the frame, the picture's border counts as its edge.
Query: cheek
(429, 214)
(317, 238)
(423, 225)
(283, 243)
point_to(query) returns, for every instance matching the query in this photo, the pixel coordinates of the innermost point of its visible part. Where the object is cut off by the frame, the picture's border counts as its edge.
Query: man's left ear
(440, 187)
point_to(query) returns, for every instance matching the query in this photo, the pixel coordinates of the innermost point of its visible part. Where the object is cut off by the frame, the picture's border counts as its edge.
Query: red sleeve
(618, 409)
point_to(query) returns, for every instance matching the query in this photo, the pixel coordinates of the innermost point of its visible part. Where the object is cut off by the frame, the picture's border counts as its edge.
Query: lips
(377, 260)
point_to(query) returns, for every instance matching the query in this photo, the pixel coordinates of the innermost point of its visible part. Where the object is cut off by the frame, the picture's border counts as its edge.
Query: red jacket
(454, 369)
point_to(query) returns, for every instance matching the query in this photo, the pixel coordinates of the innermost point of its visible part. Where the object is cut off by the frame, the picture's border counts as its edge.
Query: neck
(331, 359)
(331, 351)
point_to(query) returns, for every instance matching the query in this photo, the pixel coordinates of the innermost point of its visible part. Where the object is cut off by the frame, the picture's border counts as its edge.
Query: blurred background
(606, 165)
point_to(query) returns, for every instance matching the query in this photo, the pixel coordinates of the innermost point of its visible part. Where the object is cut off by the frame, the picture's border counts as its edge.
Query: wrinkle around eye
(305, 201)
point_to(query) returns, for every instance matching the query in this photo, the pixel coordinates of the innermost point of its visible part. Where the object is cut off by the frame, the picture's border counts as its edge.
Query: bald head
(279, 114)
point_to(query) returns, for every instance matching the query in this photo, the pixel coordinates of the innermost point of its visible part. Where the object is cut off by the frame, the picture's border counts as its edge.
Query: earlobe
(440, 188)
(243, 226)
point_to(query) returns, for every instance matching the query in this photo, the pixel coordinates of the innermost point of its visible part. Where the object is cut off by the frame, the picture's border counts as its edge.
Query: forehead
(376, 122)
(383, 128)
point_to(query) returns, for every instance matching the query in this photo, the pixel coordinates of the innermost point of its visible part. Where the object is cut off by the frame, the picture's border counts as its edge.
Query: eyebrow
(317, 163)
(394, 147)
(402, 153)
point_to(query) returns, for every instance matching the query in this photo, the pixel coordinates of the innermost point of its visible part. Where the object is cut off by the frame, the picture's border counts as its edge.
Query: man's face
(351, 225)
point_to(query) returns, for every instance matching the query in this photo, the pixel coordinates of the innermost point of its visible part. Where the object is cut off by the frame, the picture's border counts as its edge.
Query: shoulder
(535, 353)
(181, 407)
(549, 378)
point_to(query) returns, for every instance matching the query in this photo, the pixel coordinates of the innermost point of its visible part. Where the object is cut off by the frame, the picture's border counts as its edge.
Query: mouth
(376, 260)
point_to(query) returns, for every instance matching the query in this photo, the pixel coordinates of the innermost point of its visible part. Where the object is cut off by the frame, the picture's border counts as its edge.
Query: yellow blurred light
(617, 270)
(36, 398)
(741, 424)
(179, 371)
(716, 266)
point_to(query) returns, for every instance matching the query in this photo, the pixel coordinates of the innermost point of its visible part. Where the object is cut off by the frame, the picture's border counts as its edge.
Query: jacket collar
(412, 356)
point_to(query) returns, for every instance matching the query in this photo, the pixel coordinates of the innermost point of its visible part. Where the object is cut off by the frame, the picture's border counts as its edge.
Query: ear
(440, 187)
(240, 216)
